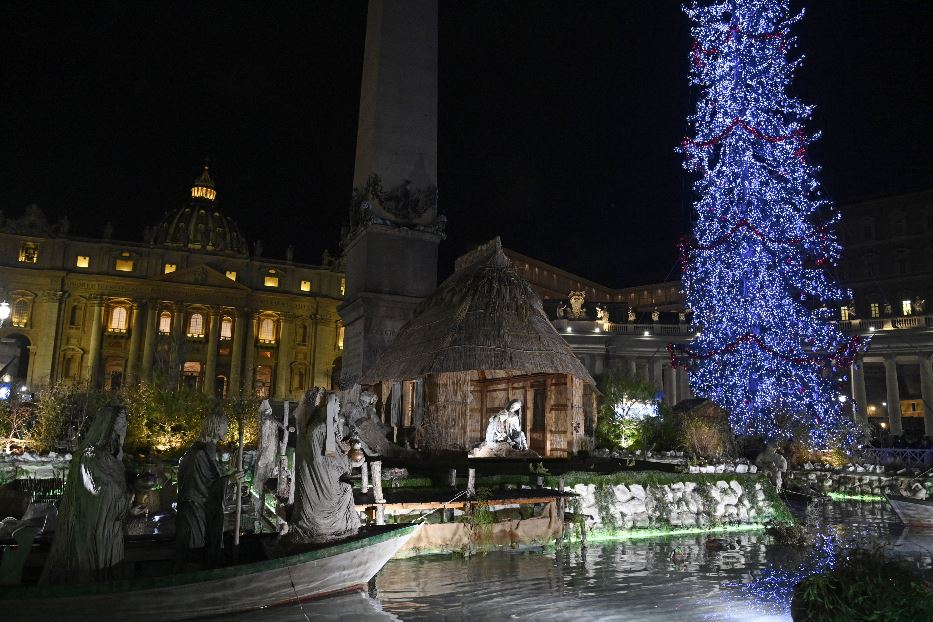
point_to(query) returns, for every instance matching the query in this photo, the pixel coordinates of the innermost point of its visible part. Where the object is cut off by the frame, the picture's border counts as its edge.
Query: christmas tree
(757, 267)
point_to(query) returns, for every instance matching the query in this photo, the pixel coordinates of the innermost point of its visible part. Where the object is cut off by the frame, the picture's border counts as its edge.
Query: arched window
(118, 320)
(226, 327)
(20, 313)
(74, 316)
(267, 330)
(165, 323)
(301, 333)
(196, 325)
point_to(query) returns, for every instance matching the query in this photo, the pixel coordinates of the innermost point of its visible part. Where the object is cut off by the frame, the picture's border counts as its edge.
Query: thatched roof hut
(481, 339)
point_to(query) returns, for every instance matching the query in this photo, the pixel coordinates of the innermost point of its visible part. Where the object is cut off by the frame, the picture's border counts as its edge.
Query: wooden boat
(912, 512)
(252, 584)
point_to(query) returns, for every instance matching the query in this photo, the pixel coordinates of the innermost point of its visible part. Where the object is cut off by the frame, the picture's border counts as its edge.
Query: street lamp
(4, 312)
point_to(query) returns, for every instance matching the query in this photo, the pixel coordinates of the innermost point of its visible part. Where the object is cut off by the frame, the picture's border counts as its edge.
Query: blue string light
(755, 270)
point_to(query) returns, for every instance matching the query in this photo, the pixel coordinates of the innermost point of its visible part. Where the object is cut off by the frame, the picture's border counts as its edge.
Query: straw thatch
(483, 317)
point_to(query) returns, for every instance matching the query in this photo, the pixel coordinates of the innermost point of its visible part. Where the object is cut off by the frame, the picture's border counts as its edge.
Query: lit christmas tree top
(756, 268)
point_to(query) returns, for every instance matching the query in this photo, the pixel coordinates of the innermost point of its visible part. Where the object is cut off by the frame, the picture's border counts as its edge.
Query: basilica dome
(200, 225)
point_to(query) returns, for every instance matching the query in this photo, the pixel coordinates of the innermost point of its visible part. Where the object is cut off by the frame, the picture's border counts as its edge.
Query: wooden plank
(453, 505)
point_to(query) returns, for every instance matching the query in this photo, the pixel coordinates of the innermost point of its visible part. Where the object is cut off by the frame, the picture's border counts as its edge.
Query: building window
(906, 307)
(871, 264)
(124, 265)
(29, 252)
(267, 330)
(868, 229)
(340, 333)
(902, 261)
(875, 309)
(196, 325)
(263, 381)
(74, 316)
(191, 374)
(343, 286)
(301, 333)
(20, 313)
(898, 224)
(306, 286)
(231, 274)
(165, 323)
(83, 261)
(226, 327)
(298, 379)
(118, 320)
(169, 268)
(271, 281)
(844, 313)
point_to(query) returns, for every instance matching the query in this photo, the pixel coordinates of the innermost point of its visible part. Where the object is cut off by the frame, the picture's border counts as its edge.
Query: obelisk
(390, 244)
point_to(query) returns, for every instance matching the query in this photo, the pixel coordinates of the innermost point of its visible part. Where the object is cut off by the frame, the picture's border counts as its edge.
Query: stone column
(96, 307)
(670, 387)
(683, 385)
(178, 342)
(926, 391)
(894, 396)
(152, 310)
(859, 394)
(632, 367)
(213, 339)
(284, 359)
(236, 355)
(657, 373)
(249, 371)
(48, 306)
(136, 335)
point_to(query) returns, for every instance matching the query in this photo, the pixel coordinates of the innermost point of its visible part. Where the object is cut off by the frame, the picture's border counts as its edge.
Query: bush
(615, 428)
(63, 412)
(703, 438)
(865, 586)
(163, 417)
(17, 420)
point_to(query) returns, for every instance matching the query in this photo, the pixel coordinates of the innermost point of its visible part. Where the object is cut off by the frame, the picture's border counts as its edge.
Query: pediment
(201, 275)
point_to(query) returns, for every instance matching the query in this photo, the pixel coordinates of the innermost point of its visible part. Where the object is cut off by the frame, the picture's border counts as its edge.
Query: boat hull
(220, 591)
(912, 512)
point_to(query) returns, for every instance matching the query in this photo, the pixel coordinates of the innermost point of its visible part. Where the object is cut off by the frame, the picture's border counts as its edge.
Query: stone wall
(680, 504)
(866, 482)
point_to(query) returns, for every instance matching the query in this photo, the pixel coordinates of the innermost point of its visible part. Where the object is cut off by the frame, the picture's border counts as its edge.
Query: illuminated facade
(188, 304)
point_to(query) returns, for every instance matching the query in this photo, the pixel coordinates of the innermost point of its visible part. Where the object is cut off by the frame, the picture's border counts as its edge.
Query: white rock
(622, 493)
(741, 468)
(730, 498)
(689, 486)
(722, 484)
(752, 468)
(633, 507)
(637, 491)
(737, 487)
(678, 486)
(693, 469)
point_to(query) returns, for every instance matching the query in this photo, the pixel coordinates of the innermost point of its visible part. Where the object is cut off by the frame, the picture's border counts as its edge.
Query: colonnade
(892, 389)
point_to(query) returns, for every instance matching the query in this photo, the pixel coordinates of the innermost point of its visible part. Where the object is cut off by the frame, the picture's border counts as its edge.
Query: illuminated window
(165, 322)
(83, 261)
(267, 330)
(200, 192)
(875, 309)
(20, 312)
(271, 281)
(343, 286)
(231, 274)
(306, 286)
(844, 313)
(29, 252)
(906, 307)
(263, 381)
(340, 333)
(169, 268)
(124, 265)
(196, 325)
(118, 320)
(226, 327)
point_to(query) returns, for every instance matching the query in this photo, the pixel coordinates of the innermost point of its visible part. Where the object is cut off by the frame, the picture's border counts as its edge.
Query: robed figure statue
(89, 539)
(199, 523)
(324, 509)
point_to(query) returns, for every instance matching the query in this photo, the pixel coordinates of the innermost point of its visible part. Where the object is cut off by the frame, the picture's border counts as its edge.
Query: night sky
(557, 120)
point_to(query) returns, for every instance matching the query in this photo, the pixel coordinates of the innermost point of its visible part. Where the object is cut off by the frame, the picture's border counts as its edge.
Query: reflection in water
(746, 577)
(740, 577)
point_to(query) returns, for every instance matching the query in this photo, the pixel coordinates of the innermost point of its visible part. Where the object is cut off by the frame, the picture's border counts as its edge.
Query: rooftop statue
(324, 509)
(89, 539)
(199, 524)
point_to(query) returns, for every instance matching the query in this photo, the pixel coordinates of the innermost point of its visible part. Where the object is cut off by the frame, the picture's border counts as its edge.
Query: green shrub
(703, 438)
(63, 412)
(17, 421)
(615, 429)
(865, 586)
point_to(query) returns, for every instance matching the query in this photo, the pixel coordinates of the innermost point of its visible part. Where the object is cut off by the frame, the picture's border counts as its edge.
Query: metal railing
(902, 456)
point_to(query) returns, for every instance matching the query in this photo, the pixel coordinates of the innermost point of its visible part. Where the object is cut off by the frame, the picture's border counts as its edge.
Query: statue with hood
(324, 508)
(89, 539)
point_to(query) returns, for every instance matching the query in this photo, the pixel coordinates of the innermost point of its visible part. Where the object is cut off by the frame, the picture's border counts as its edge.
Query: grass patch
(838, 496)
(603, 535)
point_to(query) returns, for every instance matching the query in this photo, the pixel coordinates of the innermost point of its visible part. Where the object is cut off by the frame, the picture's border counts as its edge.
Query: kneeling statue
(504, 436)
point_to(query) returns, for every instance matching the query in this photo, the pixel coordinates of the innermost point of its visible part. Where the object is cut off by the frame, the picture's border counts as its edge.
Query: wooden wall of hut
(446, 417)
